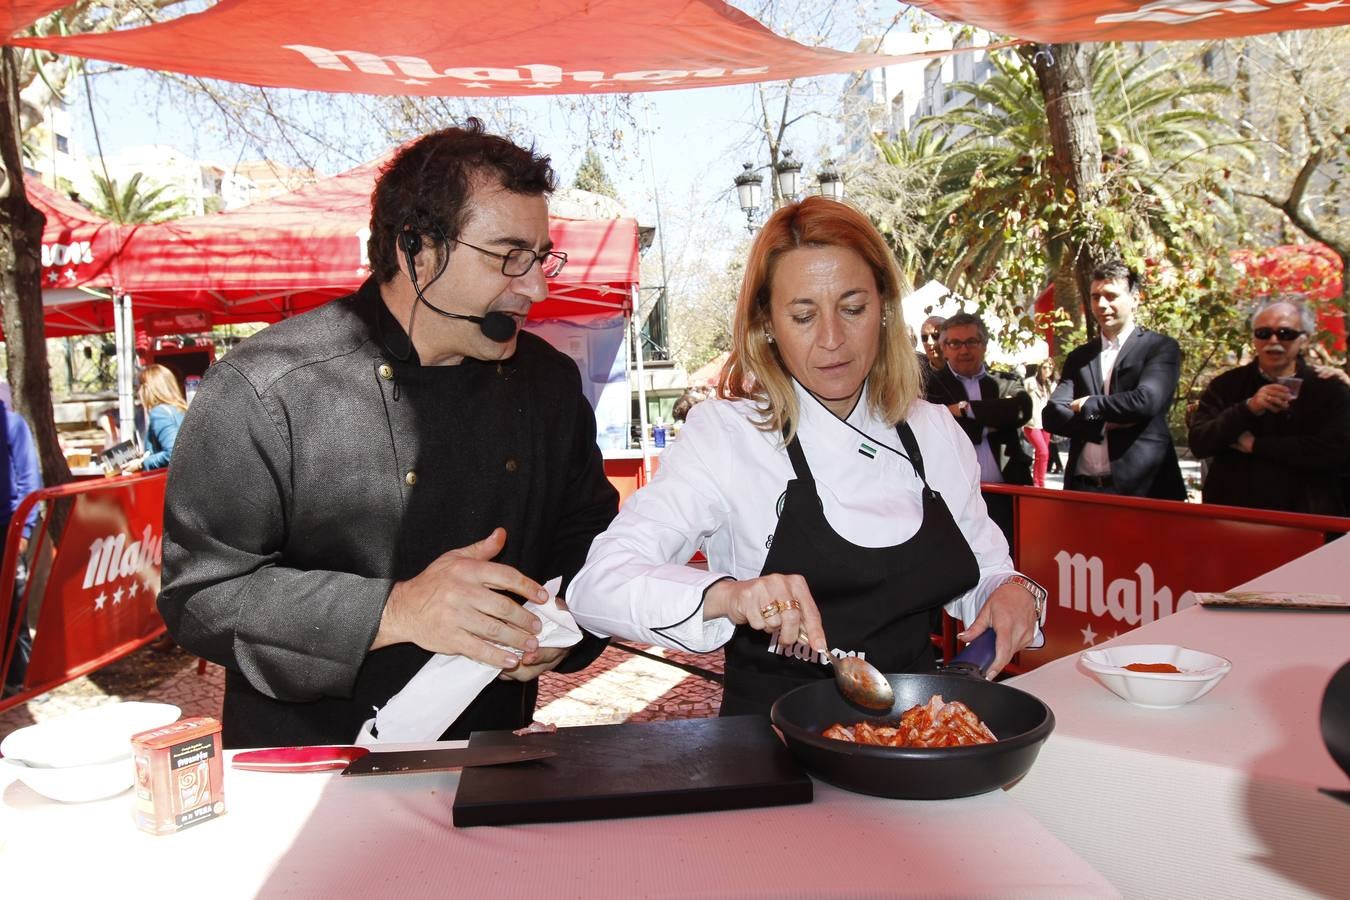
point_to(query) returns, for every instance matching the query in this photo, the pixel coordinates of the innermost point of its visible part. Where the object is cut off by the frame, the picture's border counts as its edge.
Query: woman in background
(1040, 386)
(165, 405)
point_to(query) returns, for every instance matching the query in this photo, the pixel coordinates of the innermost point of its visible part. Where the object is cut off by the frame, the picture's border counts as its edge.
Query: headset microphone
(496, 326)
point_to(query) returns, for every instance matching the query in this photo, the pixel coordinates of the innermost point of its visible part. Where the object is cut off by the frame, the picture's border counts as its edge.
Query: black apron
(873, 600)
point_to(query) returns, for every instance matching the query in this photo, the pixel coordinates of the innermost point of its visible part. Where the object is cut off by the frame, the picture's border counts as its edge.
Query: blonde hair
(755, 371)
(159, 387)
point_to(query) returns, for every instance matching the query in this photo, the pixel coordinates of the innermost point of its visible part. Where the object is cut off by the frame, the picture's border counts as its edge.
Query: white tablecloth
(1219, 797)
(322, 835)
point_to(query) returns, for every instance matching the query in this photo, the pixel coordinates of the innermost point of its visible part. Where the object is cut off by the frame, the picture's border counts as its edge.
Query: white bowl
(74, 784)
(1200, 672)
(86, 737)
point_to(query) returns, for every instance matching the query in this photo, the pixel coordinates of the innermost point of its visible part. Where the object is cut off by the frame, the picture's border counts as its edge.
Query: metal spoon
(862, 684)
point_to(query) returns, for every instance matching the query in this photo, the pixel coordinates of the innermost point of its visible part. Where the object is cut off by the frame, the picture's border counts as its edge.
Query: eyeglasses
(1284, 334)
(931, 338)
(519, 261)
(967, 344)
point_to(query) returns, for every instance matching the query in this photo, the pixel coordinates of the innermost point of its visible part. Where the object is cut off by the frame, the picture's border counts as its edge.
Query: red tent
(269, 260)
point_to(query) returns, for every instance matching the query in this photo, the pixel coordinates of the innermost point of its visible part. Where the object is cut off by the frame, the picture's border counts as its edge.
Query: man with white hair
(1279, 435)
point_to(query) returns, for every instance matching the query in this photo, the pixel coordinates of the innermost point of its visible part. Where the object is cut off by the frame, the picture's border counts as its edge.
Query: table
(1219, 797)
(321, 835)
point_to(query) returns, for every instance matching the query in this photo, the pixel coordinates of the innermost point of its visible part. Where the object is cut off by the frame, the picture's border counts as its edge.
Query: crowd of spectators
(1273, 432)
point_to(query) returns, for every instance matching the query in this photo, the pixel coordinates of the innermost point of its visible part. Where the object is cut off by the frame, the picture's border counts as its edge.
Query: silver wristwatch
(1038, 593)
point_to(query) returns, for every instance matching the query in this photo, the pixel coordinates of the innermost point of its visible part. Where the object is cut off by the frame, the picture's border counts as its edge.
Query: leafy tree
(133, 203)
(591, 176)
(1290, 102)
(899, 192)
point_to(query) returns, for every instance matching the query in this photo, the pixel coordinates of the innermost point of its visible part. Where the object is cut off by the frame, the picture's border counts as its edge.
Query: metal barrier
(95, 569)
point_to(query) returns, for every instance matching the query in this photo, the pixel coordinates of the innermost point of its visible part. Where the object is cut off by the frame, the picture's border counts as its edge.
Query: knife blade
(364, 761)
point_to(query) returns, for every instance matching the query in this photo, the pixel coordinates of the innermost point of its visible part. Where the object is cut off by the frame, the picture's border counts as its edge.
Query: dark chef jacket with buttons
(315, 469)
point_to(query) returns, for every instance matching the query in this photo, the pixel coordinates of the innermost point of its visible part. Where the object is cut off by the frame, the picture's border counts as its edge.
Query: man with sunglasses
(395, 474)
(1278, 434)
(1113, 399)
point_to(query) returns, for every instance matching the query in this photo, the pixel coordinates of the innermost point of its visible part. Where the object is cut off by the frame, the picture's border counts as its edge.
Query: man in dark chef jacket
(394, 474)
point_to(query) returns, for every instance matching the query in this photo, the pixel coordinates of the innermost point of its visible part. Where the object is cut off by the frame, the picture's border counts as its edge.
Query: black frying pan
(1020, 721)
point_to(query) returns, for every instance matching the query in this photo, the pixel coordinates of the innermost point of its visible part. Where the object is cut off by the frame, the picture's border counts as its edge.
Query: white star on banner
(53, 277)
(1322, 7)
(69, 273)
(1089, 636)
(413, 81)
(134, 589)
(101, 599)
(117, 597)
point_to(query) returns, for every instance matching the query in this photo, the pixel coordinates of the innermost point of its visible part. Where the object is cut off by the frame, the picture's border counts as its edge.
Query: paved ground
(620, 686)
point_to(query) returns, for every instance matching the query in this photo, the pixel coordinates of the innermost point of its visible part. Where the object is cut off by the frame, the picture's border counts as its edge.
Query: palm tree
(133, 204)
(898, 194)
(1157, 145)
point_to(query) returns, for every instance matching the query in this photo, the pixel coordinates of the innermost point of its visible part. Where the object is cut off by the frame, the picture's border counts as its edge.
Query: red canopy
(1058, 21)
(454, 47)
(277, 258)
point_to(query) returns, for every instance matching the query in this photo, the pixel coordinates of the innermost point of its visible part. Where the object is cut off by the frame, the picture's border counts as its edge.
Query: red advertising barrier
(96, 581)
(1114, 563)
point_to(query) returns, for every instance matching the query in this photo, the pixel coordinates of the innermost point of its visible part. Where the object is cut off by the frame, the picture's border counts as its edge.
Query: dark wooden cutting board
(634, 769)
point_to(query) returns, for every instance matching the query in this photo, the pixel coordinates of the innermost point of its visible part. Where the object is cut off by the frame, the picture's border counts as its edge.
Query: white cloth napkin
(444, 687)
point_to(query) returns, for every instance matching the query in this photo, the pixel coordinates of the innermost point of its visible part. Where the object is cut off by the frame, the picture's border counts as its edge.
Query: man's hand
(453, 606)
(1011, 612)
(781, 603)
(1244, 442)
(135, 465)
(1077, 404)
(1270, 398)
(534, 664)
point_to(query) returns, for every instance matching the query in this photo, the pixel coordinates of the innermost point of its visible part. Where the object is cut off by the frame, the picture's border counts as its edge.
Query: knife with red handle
(365, 761)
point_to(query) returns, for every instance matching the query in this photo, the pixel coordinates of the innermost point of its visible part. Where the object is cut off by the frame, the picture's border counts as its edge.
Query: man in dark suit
(1113, 399)
(990, 409)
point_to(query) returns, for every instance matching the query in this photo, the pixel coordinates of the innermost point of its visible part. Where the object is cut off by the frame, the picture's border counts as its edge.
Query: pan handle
(976, 658)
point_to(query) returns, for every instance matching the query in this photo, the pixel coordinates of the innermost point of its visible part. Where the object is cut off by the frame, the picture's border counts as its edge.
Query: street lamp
(787, 176)
(831, 182)
(788, 172)
(749, 191)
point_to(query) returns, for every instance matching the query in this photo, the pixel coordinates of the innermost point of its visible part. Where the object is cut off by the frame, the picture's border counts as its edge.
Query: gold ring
(791, 604)
(772, 609)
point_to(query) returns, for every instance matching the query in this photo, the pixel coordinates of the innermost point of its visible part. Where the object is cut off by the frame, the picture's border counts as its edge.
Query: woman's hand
(135, 465)
(779, 603)
(1011, 612)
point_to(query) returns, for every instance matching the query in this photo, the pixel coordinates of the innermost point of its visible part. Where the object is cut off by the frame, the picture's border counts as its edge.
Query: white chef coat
(719, 488)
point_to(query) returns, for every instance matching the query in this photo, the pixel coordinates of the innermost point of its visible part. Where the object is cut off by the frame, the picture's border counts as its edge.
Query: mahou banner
(100, 595)
(1114, 564)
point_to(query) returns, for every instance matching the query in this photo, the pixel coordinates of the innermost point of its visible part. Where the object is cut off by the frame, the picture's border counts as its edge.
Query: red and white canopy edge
(1064, 21)
(458, 48)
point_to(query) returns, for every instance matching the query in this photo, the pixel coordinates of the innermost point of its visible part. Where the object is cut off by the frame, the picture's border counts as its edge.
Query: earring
(768, 337)
(883, 320)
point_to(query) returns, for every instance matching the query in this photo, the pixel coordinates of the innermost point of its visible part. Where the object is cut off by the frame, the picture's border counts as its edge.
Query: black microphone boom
(496, 326)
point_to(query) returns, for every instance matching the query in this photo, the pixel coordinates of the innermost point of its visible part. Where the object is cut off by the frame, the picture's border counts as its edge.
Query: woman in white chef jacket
(837, 509)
